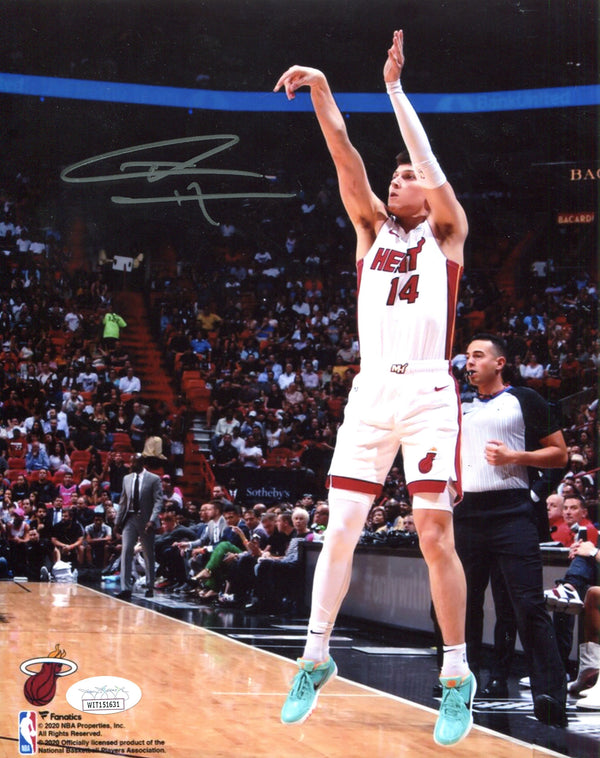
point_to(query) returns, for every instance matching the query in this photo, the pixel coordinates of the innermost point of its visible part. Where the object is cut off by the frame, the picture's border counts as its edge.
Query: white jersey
(516, 416)
(407, 293)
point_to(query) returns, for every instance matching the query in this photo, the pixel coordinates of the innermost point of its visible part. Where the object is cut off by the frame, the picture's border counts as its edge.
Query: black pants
(171, 563)
(276, 582)
(242, 578)
(509, 541)
(505, 628)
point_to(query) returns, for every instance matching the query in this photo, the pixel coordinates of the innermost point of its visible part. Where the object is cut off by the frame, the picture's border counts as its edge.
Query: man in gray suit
(140, 503)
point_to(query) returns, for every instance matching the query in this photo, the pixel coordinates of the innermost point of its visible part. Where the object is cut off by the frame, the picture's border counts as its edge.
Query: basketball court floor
(169, 677)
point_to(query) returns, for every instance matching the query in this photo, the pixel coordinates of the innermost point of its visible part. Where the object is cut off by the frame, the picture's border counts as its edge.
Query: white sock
(317, 642)
(455, 660)
(347, 515)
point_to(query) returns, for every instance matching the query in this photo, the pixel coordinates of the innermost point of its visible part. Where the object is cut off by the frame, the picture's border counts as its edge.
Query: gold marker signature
(158, 170)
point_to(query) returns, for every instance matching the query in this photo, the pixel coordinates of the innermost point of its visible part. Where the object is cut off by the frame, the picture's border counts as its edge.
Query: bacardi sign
(584, 174)
(576, 218)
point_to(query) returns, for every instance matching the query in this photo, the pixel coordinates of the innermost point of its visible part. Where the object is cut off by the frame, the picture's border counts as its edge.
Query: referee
(505, 431)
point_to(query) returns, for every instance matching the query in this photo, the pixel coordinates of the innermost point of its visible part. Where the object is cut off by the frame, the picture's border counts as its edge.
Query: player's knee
(433, 543)
(347, 514)
(434, 526)
(340, 541)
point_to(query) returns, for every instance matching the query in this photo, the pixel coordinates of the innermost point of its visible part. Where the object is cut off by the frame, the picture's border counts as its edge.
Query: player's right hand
(296, 77)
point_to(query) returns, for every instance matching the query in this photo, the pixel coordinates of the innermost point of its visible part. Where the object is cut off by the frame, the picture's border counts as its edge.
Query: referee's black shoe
(549, 711)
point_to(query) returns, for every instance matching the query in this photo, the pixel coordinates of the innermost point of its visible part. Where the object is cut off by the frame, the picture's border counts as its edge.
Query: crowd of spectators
(245, 556)
(72, 410)
(268, 324)
(270, 327)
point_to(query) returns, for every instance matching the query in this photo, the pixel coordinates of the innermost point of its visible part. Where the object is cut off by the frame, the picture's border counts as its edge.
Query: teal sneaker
(455, 718)
(302, 699)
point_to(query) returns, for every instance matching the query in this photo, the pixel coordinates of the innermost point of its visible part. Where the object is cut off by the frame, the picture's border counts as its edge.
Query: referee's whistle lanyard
(485, 398)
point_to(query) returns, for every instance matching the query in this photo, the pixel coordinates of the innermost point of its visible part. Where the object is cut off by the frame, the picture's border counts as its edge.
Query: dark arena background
(147, 165)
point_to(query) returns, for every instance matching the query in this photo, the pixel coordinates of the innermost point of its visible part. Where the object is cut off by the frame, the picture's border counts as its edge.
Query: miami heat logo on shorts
(40, 686)
(426, 463)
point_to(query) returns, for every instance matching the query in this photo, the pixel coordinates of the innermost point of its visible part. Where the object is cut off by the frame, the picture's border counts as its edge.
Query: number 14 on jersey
(409, 292)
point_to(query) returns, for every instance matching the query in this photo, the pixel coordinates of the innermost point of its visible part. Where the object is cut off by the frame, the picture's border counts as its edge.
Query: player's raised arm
(447, 218)
(363, 207)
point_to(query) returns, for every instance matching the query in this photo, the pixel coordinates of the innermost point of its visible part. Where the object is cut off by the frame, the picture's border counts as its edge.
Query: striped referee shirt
(519, 418)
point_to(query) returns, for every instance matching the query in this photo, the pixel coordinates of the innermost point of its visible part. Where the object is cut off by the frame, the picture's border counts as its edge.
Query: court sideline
(197, 691)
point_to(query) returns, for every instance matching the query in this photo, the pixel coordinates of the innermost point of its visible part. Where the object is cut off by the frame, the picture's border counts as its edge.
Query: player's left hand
(395, 58)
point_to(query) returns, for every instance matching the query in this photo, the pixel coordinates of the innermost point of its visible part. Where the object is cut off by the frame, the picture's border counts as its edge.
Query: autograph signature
(157, 170)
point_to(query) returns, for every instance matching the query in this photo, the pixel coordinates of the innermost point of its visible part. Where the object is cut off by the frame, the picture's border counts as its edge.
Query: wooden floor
(202, 693)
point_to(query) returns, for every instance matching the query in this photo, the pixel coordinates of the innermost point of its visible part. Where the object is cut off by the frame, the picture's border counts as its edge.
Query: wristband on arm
(428, 171)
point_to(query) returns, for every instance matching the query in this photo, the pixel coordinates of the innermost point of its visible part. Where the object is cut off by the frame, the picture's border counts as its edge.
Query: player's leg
(362, 458)
(363, 455)
(446, 575)
(433, 519)
(347, 514)
(430, 443)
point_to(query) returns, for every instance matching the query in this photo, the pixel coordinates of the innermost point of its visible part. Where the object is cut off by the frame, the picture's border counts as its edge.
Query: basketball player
(409, 256)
